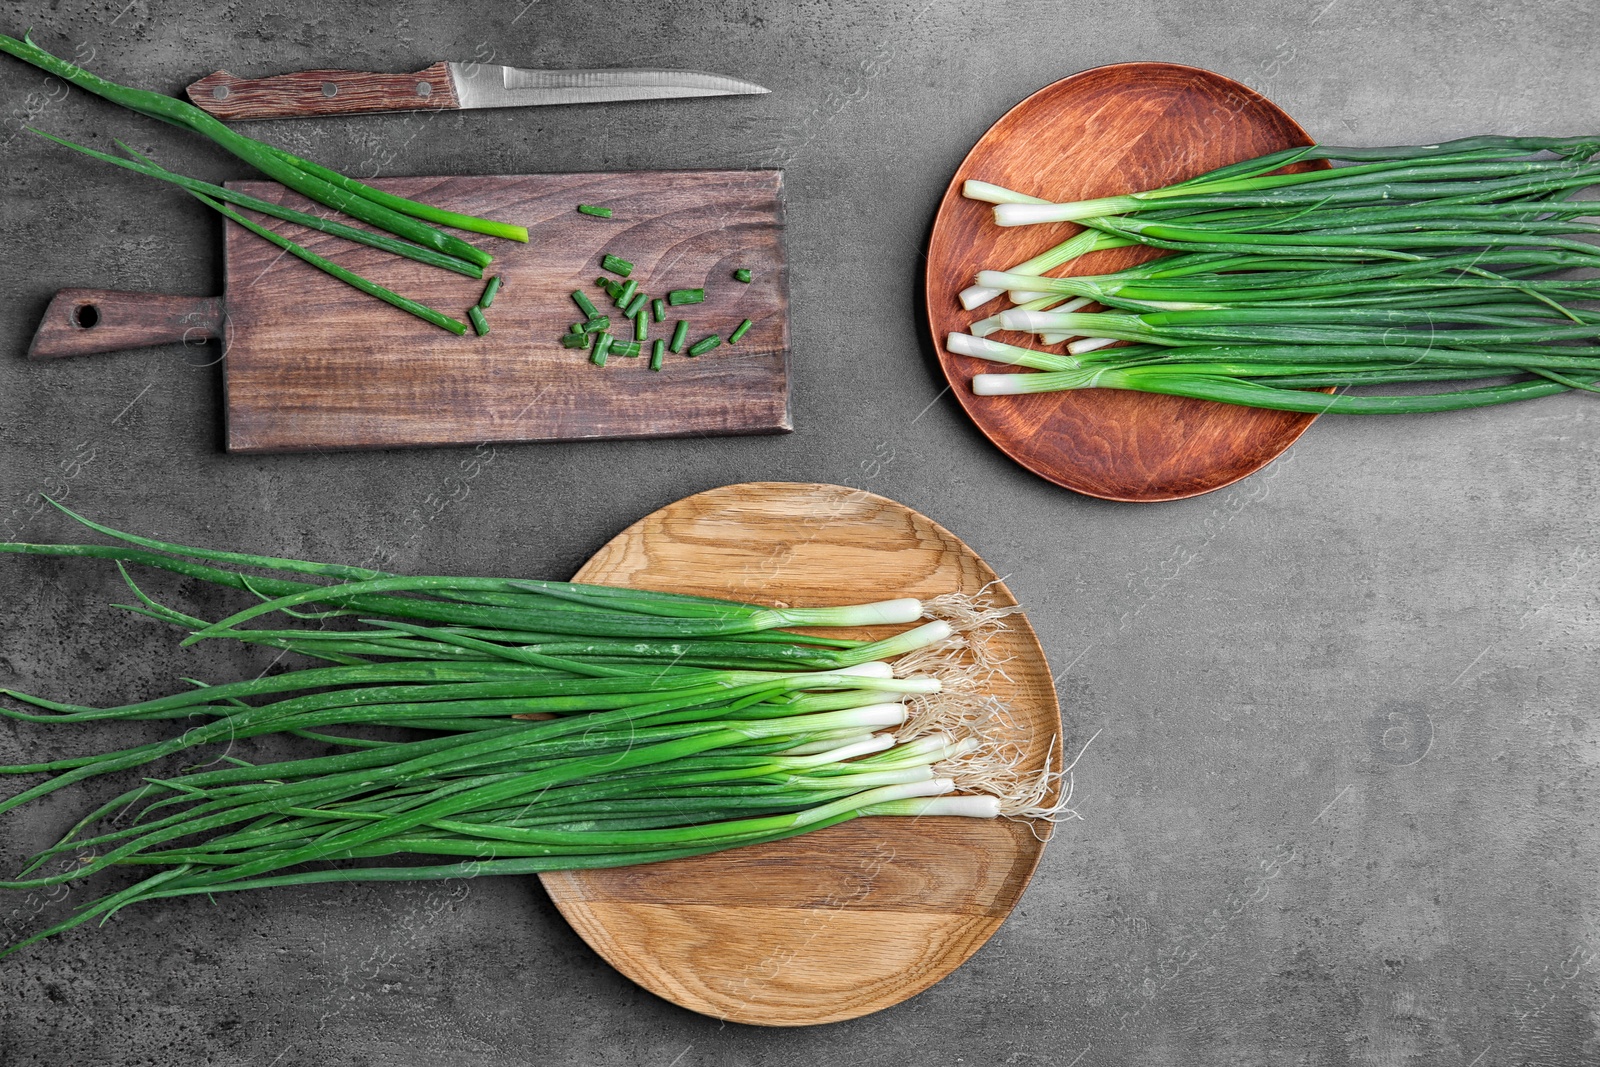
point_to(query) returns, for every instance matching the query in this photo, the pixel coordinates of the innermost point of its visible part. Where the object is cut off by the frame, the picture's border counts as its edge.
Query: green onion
(597, 353)
(616, 265)
(966, 345)
(597, 212)
(658, 309)
(1240, 391)
(742, 275)
(428, 212)
(707, 746)
(738, 332)
(479, 323)
(625, 348)
(685, 296)
(574, 340)
(1417, 264)
(641, 325)
(704, 345)
(634, 304)
(596, 324)
(266, 207)
(421, 311)
(658, 348)
(489, 292)
(680, 335)
(395, 214)
(584, 304)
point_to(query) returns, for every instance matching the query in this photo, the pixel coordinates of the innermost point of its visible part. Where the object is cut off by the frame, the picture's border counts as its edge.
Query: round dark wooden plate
(1105, 131)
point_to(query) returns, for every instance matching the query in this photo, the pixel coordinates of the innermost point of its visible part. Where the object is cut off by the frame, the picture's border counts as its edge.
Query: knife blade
(445, 87)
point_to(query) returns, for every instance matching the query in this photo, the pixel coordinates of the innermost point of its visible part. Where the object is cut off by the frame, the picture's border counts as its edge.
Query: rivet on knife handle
(323, 92)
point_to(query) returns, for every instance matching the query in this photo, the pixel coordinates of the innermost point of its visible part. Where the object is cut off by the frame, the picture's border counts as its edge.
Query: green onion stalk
(355, 198)
(381, 241)
(1198, 384)
(411, 223)
(1411, 264)
(523, 726)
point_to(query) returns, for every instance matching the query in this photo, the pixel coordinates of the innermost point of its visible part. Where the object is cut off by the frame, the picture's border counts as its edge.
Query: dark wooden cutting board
(311, 363)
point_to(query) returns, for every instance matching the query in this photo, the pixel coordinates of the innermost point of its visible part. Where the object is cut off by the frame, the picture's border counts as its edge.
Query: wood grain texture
(1105, 131)
(81, 322)
(307, 93)
(854, 918)
(314, 364)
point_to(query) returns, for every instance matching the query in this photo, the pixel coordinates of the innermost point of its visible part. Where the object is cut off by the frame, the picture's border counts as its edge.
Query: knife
(445, 86)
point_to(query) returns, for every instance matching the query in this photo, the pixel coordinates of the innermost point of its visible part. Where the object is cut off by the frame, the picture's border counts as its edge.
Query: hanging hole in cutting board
(86, 316)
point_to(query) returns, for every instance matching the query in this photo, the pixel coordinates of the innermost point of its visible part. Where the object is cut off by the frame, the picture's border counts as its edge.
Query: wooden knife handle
(80, 322)
(323, 92)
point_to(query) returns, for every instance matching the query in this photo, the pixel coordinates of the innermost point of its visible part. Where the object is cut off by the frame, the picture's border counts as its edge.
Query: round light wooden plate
(852, 918)
(1106, 131)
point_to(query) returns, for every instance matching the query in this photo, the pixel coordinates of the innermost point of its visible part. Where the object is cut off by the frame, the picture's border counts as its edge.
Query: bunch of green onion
(412, 224)
(1432, 263)
(545, 726)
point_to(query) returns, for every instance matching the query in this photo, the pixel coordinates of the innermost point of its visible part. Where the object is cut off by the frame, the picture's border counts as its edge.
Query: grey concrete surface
(1342, 805)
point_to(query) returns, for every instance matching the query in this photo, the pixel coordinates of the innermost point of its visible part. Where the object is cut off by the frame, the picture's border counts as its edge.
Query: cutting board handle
(79, 322)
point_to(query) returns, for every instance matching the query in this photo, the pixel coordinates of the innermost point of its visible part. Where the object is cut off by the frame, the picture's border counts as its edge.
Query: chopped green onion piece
(704, 345)
(641, 326)
(680, 335)
(733, 338)
(576, 327)
(488, 292)
(658, 348)
(597, 353)
(597, 212)
(599, 322)
(584, 304)
(625, 294)
(625, 348)
(479, 323)
(615, 265)
(658, 309)
(742, 275)
(574, 340)
(635, 304)
(685, 296)
(612, 289)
